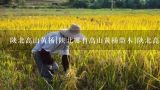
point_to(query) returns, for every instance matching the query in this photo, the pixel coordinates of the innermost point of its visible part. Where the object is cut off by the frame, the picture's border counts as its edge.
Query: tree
(71, 1)
(153, 3)
(112, 4)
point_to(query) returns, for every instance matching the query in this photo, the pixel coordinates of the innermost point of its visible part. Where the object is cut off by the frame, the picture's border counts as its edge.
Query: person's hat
(73, 32)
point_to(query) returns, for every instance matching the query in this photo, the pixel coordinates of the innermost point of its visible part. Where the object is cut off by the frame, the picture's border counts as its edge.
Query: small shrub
(81, 4)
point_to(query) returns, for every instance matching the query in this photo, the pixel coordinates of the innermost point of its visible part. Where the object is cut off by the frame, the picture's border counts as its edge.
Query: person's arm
(65, 62)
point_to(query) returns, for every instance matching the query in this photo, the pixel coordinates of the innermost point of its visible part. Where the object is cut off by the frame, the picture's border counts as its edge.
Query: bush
(120, 4)
(101, 4)
(81, 4)
(97, 4)
(94, 6)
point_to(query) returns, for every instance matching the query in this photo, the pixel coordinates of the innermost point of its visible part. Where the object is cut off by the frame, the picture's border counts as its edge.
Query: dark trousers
(44, 61)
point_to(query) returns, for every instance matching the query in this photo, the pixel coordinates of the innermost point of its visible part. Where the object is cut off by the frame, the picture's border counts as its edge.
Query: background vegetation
(134, 4)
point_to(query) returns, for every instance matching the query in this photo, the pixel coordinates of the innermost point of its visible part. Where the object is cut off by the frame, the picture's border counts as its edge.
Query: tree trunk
(112, 4)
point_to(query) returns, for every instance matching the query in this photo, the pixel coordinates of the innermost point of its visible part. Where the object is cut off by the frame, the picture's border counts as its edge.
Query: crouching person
(43, 50)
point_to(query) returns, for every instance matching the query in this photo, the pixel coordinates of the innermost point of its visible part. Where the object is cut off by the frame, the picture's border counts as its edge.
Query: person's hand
(53, 68)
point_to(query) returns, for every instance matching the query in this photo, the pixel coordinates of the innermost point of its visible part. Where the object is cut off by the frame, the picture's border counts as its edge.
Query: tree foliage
(135, 4)
(80, 3)
(116, 3)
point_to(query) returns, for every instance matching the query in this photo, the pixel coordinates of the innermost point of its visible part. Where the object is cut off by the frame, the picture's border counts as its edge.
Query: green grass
(30, 12)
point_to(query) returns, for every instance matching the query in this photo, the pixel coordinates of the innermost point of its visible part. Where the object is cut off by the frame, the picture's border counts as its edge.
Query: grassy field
(41, 12)
(90, 69)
